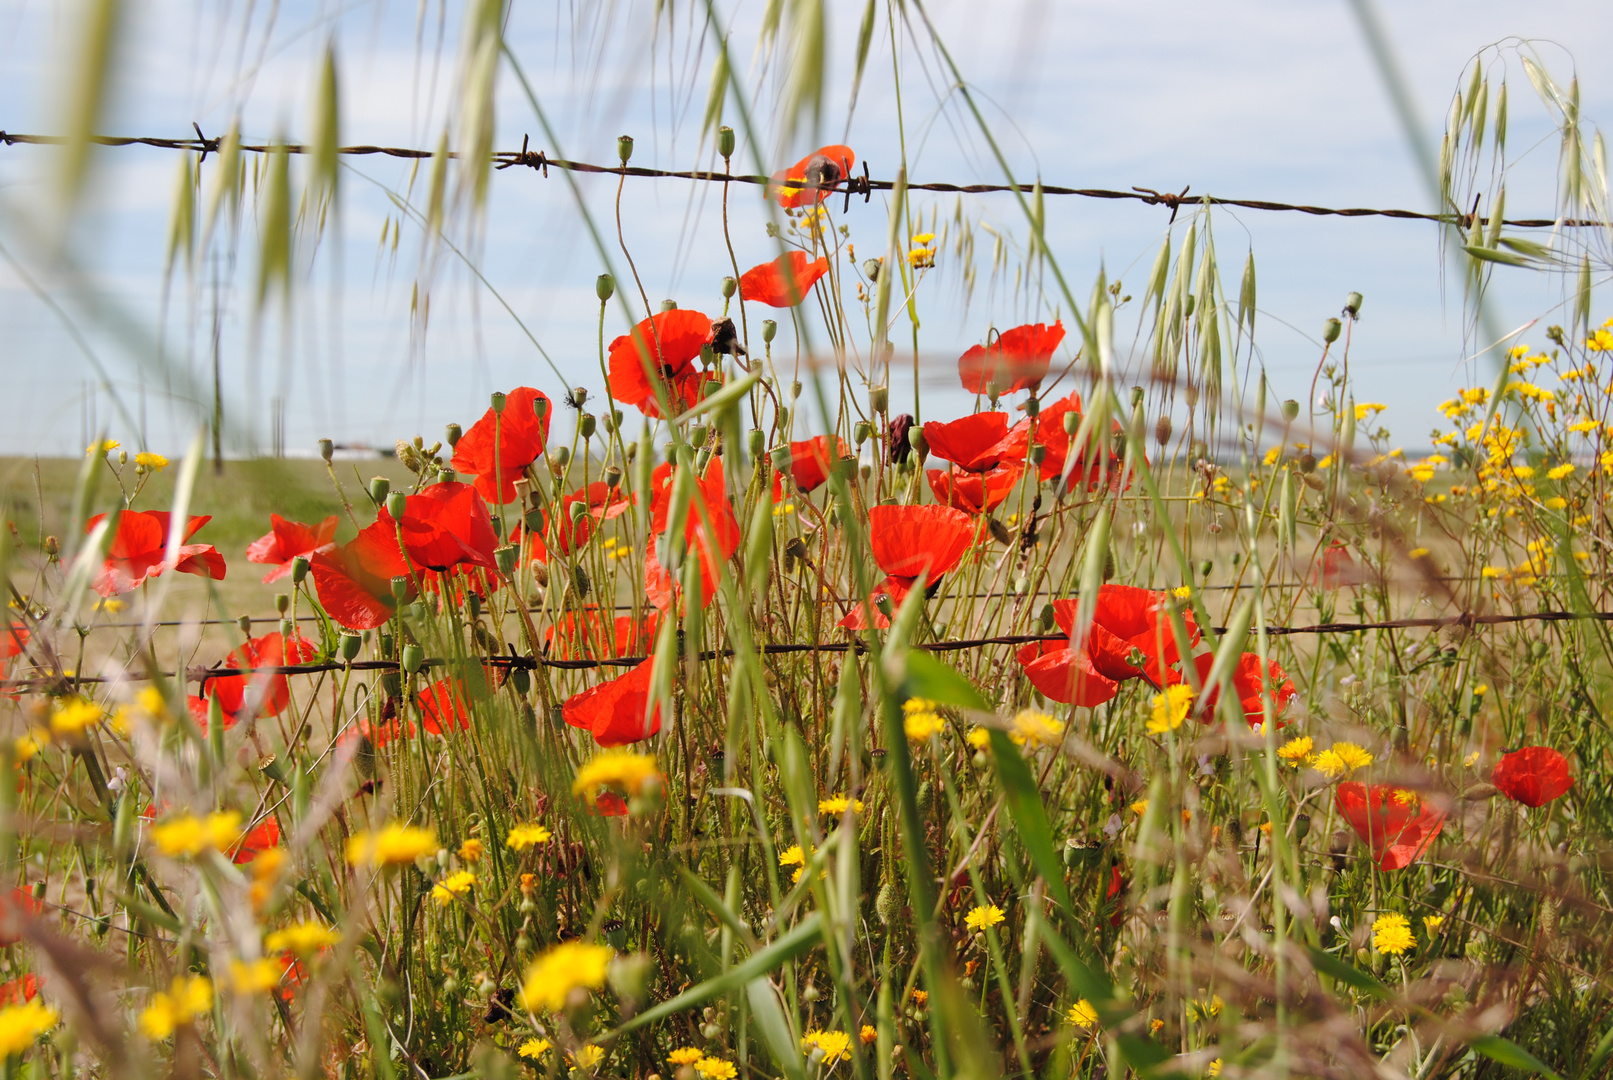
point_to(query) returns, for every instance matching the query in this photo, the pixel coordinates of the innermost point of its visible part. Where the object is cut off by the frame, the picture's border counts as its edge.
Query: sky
(1264, 100)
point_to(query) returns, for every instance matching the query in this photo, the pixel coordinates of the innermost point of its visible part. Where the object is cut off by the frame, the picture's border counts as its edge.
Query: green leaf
(1511, 1054)
(927, 677)
(1337, 969)
(1029, 816)
(769, 1014)
(1484, 254)
(805, 936)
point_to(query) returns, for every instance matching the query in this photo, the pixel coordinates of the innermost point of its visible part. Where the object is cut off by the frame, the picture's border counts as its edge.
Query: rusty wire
(848, 186)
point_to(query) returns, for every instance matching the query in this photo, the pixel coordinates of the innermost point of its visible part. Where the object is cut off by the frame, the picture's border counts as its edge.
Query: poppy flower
(354, 580)
(285, 540)
(13, 640)
(1131, 637)
(565, 532)
(447, 525)
(1249, 686)
(1064, 674)
(664, 347)
(1117, 895)
(20, 991)
(893, 589)
(1051, 434)
(443, 708)
(265, 694)
(1338, 567)
(614, 711)
(15, 906)
(812, 459)
(978, 442)
(1398, 825)
(1017, 360)
(140, 545)
(908, 541)
(609, 804)
(200, 710)
(257, 841)
(590, 633)
(715, 544)
(974, 492)
(498, 447)
(784, 282)
(1533, 775)
(817, 172)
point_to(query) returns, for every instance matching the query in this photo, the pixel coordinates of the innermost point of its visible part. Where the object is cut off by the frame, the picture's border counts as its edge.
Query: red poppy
(447, 525)
(443, 708)
(978, 442)
(1130, 624)
(784, 282)
(257, 841)
(1338, 567)
(270, 693)
(1017, 360)
(21, 990)
(1249, 686)
(378, 735)
(1065, 674)
(716, 544)
(1117, 895)
(291, 979)
(818, 171)
(354, 580)
(615, 710)
(1533, 775)
(286, 540)
(13, 640)
(520, 434)
(972, 491)
(569, 534)
(1051, 434)
(17, 905)
(908, 541)
(1398, 825)
(590, 634)
(140, 546)
(200, 710)
(609, 804)
(665, 345)
(812, 459)
(894, 589)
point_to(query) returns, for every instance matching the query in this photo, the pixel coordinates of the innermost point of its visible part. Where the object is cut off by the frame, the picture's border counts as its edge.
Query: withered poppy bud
(499, 400)
(896, 445)
(579, 396)
(725, 141)
(729, 287)
(1071, 422)
(505, 558)
(400, 588)
(613, 477)
(1307, 463)
(755, 441)
(822, 171)
(413, 657)
(351, 643)
(769, 330)
(1162, 429)
(53, 547)
(379, 486)
(1352, 304)
(879, 399)
(326, 449)
(397, 505)
(586, 425)
(1331, 330)
(299, 569)
(604, 287)
(860, 431)
(669, 305)
(724, 338)
(624, 148)
(871, 269)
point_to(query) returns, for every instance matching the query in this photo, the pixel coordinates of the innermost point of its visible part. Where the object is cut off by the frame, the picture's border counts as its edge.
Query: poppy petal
(784, 282)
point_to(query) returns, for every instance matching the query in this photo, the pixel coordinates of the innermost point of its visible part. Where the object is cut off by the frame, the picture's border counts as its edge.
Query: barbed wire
(848, 186)
(202, 675)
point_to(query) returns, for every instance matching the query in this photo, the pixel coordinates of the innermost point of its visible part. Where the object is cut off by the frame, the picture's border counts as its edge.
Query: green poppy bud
(725, 141)
(669, 305)
(697, 437)
(351, 643)
(782, 458)
(586, 425)
(755, 440)
(446, 476)
(1071, 422)
(245, 623)
(379, 486)
(604, 287)
(1331, 330)
(1352, 304)
(413, 657)
(326, 449)
(783, 416)
(1290, 410)
(400, 588)
(299, 569)
(453, 433)
(579, 396)
(499, 399)
(578, 511)
(540, 407)
(769, 330)
(879, 399)
(1137, 395)
(624, 148)
(729, 287)
(860, 432)
(396, 505)
(560, 458)
(613, 477)
(505, 558)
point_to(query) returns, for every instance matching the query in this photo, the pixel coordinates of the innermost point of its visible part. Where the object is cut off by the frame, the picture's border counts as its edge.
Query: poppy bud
(604, 287)
(613, 477)
(400, 588)
(871, 269)
(1307, 463)
(299, 569)
(1290, 410)
(1137, 395)
(351, 643)
(916, 439)
(540, 407)
(1032, 407)
(413, 657)
(579, 396)
(580, 576)
(769, 330)
(1302, 826)
(755, 441)
(499, 399)
(379, 486)
(782, 458)
(697, 437)
(624, 148)
(725, 141)
(53, 548)
(578, 511)
(879, 399)
(446, 476)
(669, 305)
(498, 527)
(396, 505)
(245, 623)
(795, 391)
(123, 457)
(559, 458)
(282, 602)
(521, 679)
(1048, 616)
(326, 449)
(632, 452)
(533, 520)
(1071, 422)
(1331, 330)
(860, 432)
(453, 433)
(729, 287)
(783, 416)
(586, 425)
(1162, 430)
(1205, 567)
(1352, 304)
(505, 558)
(287, 628)
(1038, 454)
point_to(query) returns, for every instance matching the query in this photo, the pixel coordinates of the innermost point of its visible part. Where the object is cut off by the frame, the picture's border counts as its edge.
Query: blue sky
(1260, 99)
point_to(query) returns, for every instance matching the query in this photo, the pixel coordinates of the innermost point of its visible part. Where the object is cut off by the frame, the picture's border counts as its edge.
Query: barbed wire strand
(848, 186)
(530, 663)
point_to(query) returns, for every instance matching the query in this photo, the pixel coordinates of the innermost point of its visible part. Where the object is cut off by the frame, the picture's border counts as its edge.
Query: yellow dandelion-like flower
(831, 1045)
(453, 885)
(186, 998)
(522, 837)
(1557, 472)
(552, 977)
(471, 850)
(619, 770)
(920, 720)
(1295, 751)
(255, 976)
(979, 738)
(154, 462)
(1431, 924)
(839, 804)
(73, 716)
(1170, 709)
(1083, 1015)
(587, 1056)
(392, 845)
(533, 1049)
(1140, 807)
(792, 856)
(1471, 759)
(982, 916)
(188, 835)
(1036, 728)
(1184, 592)
(28, 745)
(868, 1034)
(716, 1069)
(21, 1025)
(1341, 758)
(99, 449)
(685, 1055)
(304, 939)
(1391, 934)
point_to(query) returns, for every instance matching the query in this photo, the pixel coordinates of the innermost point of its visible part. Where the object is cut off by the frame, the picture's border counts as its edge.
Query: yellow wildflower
(255, 976)
(716, 1069)
(1392, 934)
(28, 745)
(1036, 727)
(839, 804)
(1471, 759)
(920, 720)
(831, 1045)
(1366, 410)
(868, 1034)
(1083, 1015)
(1417, 553)
(471, 850)
(185, 999)
(151, 461)
(1341, 758)
(685, 1055)
(1185, 592)
(619, 770)
(522, 837)
(1431, 924)
(20, 1025)
(1273, 456)
(1170, 708)
(99, 449)
(792, 856)
(570, 966)
(392, 845)
(1557, 472)
(1295, 751)
(534, 1048)
(304, 938)
(189, 835)
(587, 1056)
(457, 884)
(979, 738)
(982, 916)
(1140, 807)
(73, 716)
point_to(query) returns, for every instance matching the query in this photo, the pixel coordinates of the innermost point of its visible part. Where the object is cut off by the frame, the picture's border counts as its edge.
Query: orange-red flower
(262, 694)
(21, 990)
(784, 282)
(257, 841)
(978, 442)
(1131, 637)
(354, 580)
(1397, 825)
(663, 348)
(1065, 674)
(1338, 567)
(15, 907)
(1533, 775)
(591, 634)
(500, 446)
(617, 711)
(139, 548)
(818, 172)
(13, 640)
(812, 459)
(443, 707)
(285, 540)
(1250, 687)
(715, 544)
(445, 526)
(908, 541)
(1017, 360)
(975, 492)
